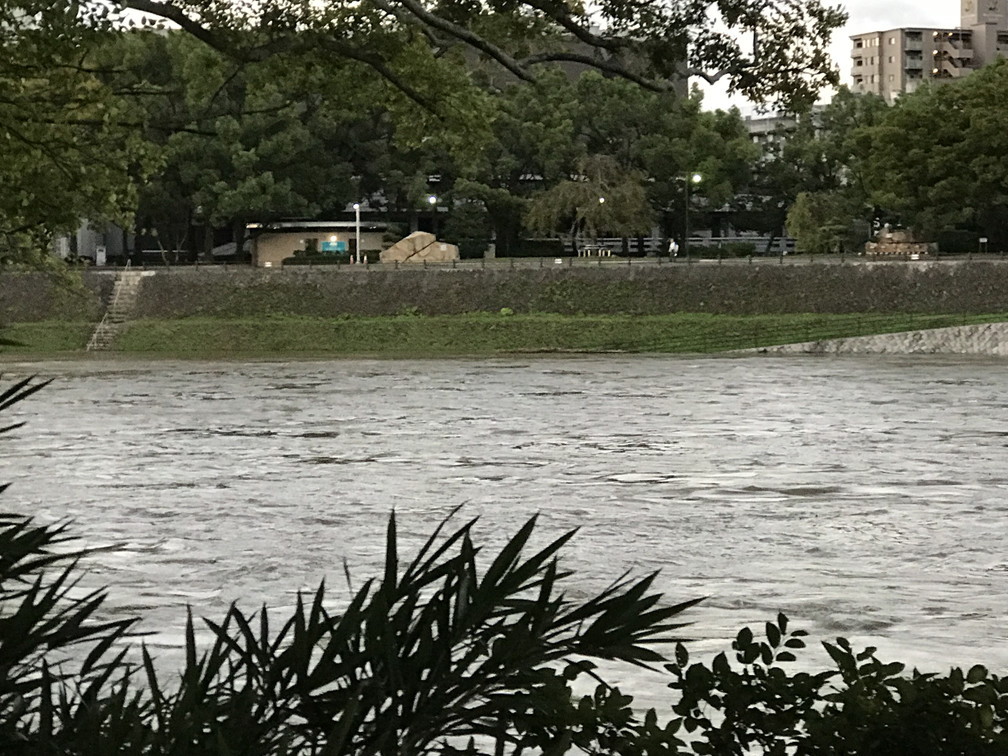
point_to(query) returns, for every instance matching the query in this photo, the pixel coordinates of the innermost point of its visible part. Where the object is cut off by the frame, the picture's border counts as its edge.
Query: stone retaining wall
(30, 297)
(643, 290)
(932, 288)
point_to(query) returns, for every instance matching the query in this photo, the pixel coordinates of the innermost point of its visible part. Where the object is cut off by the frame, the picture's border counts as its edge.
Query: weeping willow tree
(602, 199)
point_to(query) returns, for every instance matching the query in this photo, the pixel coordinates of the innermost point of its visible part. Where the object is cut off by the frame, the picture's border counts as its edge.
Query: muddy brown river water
(864, 496)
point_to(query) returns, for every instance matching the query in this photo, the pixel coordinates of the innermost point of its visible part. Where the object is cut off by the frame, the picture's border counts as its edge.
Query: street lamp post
(695, 178)
(357, 249)
(432, 201)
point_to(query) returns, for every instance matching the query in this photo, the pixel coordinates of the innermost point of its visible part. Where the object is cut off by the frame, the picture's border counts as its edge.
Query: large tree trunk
(238, 233)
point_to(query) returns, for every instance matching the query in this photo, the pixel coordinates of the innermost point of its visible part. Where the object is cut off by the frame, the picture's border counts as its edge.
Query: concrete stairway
(124, 297)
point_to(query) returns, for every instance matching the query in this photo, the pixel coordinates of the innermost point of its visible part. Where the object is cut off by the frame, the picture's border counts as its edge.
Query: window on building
(858, 44)
(890, 58)
(891, 78)
(892, 40)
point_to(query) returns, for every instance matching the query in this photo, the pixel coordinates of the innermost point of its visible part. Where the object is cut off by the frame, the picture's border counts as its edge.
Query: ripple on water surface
(862, 496)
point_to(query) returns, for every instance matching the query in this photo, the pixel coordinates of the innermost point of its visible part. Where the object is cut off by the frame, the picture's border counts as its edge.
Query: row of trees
(935, 162)
(294, 108)
(239, 120)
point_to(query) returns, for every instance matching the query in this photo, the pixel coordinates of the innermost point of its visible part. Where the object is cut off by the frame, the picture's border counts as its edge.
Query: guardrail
(696, 258)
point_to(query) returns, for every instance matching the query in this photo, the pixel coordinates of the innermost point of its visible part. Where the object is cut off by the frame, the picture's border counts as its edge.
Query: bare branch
(567, 22)
(177, 16)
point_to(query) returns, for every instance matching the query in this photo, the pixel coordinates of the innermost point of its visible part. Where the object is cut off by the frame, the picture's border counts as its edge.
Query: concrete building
(272, 243)
(770, 129)
(893, 62)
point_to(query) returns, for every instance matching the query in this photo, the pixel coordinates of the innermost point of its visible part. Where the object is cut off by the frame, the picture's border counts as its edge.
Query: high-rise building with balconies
(890, 63)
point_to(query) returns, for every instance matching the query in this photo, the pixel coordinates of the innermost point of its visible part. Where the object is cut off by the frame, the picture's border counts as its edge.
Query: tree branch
(458, 32)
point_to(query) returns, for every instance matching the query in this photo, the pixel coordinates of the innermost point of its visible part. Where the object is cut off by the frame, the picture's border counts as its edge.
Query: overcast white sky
(866, 16)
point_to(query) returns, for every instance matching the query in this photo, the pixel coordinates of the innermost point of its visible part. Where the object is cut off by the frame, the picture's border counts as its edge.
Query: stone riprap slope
(986, 339)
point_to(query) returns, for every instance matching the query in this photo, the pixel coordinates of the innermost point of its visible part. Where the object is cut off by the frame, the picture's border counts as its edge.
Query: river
(862, 496)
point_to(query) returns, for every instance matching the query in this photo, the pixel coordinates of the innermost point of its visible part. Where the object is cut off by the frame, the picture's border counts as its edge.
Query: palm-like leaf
(437, 653)
(54, 650)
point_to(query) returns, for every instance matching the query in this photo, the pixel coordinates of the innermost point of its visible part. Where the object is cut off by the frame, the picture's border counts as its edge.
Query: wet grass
(51, 338)
(487, 334)
(473, 334)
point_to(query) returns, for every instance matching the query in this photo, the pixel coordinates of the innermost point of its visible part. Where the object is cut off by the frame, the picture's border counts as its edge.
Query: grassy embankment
(471, 334)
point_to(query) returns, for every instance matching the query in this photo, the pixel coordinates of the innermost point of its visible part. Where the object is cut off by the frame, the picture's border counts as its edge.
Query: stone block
(420, 247)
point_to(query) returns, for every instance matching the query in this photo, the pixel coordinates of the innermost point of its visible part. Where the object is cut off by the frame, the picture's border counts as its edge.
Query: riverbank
(394, 311)
(469, 334)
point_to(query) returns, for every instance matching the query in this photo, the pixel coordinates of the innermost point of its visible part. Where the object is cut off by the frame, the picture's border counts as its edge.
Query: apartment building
(893, 62)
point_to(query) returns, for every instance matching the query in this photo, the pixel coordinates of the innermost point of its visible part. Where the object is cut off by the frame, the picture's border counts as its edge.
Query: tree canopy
(67, 149)
(388, 91)
(774, 50)
(940, 157)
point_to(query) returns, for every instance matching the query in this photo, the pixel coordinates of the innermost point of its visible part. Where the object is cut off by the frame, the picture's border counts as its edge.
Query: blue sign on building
(334, 246)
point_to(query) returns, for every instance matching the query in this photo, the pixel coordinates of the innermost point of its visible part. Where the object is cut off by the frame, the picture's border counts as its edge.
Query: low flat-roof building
(272, 243)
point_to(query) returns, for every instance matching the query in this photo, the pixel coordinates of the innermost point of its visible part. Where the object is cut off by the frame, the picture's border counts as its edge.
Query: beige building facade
(894, 62)
(274, 242)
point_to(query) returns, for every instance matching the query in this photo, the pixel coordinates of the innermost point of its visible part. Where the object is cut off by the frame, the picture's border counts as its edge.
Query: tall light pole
(601, 201)
(432, 201)
(356, 207)
(695, 178)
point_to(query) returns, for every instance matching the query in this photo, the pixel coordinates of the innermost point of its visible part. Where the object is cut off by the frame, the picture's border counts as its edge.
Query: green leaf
(773, 634)
(976, 674)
